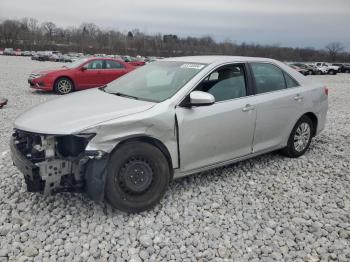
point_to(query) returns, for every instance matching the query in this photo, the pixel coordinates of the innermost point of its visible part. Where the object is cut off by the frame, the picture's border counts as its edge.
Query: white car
(327, 68)
(166, 120)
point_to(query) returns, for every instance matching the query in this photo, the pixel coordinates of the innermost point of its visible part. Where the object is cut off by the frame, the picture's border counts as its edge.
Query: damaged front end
(59, 163)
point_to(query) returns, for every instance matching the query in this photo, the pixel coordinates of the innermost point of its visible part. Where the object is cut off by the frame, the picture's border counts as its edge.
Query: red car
(133, 61)
(81, 74)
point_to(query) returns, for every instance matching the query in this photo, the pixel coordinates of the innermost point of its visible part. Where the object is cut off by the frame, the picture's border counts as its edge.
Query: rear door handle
(248, 108)
(298, 97)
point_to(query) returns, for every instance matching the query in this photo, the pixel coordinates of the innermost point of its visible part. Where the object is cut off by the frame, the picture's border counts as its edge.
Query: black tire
(63, 86)
(347, 71)
(291, 150)
(331, 72)
(137, 177)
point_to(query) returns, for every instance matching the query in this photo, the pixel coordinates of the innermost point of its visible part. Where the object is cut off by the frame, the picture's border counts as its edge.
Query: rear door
(279, 102)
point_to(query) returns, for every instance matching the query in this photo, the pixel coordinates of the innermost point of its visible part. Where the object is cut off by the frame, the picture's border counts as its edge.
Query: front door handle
(248, 108)
(298, 97)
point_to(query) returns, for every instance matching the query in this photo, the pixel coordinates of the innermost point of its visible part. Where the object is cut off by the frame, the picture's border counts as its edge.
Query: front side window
(225, 83)
(96, 64)
(155, 82)
(268, 78)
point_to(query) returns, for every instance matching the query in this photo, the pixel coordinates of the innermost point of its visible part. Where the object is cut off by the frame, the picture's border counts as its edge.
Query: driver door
(222, 131)
(92, 76)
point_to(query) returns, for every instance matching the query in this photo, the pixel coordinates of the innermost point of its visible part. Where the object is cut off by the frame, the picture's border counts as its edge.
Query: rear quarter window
(290, 82)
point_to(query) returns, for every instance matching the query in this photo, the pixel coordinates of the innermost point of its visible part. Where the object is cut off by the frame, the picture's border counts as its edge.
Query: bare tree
(49, 28)
(10, 32)
(27, 34)
(334, 49)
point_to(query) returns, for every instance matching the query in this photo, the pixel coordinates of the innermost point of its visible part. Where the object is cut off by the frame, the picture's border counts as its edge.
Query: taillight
(326, 91)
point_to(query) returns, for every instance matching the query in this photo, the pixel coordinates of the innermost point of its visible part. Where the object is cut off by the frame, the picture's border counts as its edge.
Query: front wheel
(300, 138)
(63, 86)
(137, 177)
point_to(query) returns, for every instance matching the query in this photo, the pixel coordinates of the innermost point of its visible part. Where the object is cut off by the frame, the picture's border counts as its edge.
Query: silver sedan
(171, 118)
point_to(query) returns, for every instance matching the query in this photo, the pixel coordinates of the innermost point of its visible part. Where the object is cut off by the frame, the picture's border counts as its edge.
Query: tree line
(29, 34)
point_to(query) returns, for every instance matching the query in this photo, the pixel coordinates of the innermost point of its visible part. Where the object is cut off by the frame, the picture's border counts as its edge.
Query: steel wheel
(302, 137)
(135, 177)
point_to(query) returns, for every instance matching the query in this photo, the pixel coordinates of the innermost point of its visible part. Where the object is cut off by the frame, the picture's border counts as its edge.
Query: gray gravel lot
(263, 209)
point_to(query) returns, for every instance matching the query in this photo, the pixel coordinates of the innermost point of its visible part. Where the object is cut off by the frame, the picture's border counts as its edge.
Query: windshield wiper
(102, 88)
(125, 95)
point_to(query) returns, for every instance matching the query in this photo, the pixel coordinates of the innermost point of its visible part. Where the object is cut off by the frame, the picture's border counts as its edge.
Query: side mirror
(84, 67)
(200, 98)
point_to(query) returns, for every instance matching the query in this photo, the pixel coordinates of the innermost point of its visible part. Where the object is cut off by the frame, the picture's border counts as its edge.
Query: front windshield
(155, 82)
(76, 64)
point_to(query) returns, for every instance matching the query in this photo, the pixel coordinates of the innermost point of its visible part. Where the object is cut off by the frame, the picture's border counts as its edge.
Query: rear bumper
(322, 117)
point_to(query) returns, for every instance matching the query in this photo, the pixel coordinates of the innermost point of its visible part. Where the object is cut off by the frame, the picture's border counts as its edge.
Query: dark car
(302, 71)
(43, 56)
(343, 68)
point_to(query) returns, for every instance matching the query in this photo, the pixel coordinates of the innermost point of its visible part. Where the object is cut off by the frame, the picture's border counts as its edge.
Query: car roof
(89, 58)
(216, 59)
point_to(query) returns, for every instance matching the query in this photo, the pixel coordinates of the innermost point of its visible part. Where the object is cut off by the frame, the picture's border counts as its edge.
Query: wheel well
(314, 120)
(64, 77)
(153, 141)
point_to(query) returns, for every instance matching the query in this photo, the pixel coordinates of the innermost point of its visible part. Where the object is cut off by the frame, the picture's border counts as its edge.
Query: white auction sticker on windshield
(192, 66)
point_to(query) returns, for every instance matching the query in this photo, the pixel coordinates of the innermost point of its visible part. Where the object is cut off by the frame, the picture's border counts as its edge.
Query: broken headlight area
(51, 163)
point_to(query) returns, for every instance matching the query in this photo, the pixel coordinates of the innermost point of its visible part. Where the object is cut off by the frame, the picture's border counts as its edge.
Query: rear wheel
(137, 177)
(63, 86)
(347, 71)
(300, 138)
(331, 72)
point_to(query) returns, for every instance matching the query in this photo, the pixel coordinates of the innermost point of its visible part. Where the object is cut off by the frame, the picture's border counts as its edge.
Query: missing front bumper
(85, 172)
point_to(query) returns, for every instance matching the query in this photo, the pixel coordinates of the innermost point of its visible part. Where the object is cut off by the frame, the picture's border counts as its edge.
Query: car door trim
(178, 173)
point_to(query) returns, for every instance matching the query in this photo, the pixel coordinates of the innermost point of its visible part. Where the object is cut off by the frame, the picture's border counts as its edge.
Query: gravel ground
(263, 209)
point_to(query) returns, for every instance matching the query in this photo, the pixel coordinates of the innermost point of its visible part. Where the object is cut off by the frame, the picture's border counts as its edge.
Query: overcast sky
(304, 23)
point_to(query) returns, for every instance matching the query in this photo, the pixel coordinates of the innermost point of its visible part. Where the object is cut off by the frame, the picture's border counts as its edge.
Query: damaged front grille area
(50, 163)
(29, 145)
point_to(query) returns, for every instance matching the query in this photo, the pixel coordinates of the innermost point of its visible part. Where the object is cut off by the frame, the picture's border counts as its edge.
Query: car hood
(78, 111)
(48, 71)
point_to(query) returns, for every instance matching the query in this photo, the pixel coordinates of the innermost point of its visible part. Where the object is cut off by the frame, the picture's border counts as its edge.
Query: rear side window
(290, 81)
(267, 77)
(110, 64)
